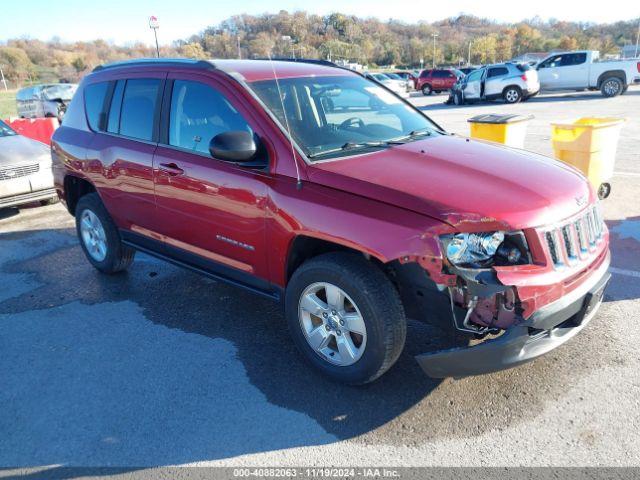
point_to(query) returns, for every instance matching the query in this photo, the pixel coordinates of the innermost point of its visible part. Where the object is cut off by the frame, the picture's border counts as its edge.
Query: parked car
(409, 77)
(25, 170)
(321, 189)
(513, 82)
(582, 69)
(397, 85)
(438, 80)
(49, 100)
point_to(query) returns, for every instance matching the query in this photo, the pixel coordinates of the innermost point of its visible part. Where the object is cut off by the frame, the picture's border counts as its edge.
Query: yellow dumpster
(507, 129)
(589, 144)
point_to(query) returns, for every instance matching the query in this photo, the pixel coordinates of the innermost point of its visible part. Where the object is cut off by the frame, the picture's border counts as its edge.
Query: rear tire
(99, 236)
(611, 87)
(458, 99)
(426, 89)
(512, 94)
(369, 303)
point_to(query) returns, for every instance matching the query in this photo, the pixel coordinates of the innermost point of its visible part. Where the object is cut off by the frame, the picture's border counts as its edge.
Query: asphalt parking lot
(160, 366)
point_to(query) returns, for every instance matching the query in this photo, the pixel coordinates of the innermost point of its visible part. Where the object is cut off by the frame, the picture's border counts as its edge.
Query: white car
(582, 69)
(513, 82)
(399, 87)
(25, 170)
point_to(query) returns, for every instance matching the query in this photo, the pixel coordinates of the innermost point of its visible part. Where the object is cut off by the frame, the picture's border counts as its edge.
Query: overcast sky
(123, 21)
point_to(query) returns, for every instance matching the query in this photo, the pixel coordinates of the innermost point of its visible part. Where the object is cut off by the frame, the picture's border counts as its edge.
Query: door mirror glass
(234, 146)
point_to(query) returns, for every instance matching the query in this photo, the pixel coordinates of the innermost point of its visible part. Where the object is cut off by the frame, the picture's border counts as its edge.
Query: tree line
(369, 41)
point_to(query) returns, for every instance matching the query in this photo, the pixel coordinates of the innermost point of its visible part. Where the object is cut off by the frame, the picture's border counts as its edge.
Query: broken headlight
(478, 250)
(472, 249)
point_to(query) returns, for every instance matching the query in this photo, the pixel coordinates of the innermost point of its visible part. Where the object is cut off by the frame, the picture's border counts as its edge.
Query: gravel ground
(160, 366)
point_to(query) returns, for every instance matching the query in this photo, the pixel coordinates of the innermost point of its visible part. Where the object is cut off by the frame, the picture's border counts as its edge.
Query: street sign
(153, 22)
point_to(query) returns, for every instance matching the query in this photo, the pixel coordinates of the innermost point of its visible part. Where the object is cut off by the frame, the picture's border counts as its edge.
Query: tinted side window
(139, 107)
(497, 71)
(94, 96)
(573, 59)
(441, 74)
(551, 62)
(425, 73)
(199, 113)
(113, 123)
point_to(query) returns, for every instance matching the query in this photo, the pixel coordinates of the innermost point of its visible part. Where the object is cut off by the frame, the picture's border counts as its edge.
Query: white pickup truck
(582, 69)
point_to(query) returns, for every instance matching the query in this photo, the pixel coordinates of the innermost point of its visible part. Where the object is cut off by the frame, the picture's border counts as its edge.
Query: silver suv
(513, 82)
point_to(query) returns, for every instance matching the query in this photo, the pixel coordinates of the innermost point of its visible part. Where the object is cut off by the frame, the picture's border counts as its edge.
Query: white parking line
(627, 174)
(622, 271)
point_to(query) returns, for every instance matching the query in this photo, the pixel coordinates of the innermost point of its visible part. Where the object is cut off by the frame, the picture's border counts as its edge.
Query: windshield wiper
(352, 146)
(423, 132)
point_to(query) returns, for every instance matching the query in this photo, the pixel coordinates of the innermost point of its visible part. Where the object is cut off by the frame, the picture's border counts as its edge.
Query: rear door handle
(171, 168)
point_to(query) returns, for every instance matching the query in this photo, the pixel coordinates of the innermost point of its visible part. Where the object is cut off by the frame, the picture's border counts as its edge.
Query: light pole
(469, 57)
(637, 39)
(433, 63)
(154, 25)
(4, 82)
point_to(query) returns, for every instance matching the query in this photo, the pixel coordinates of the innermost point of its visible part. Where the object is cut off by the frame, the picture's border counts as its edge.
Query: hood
(16, 149)
(463, 182)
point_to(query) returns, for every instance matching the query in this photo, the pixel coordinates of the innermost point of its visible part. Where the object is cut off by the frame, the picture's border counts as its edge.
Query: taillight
(524, 76)
(638, 66)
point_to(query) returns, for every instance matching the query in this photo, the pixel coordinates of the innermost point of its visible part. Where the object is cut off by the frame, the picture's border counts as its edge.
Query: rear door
(121, 153)
(495, 81)
(211, 213)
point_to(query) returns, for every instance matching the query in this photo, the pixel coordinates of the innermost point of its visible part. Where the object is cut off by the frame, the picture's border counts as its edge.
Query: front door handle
(171, 168)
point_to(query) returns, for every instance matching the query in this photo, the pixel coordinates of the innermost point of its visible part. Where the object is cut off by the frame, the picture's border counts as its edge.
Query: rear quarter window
(497, 71)
(94, 99)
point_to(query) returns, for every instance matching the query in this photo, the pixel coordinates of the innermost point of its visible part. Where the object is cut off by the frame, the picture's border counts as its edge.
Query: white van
(49, 100)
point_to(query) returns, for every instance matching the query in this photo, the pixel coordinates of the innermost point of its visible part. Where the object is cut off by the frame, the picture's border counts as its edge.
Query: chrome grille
(9, 173)
(574, 240)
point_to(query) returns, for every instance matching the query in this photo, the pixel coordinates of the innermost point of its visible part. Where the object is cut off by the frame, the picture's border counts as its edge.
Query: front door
(473, 82)
(211, 213)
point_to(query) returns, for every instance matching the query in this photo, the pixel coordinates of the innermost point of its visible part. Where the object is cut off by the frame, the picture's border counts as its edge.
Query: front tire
(99, 236)
(345, 317)
(426, 89)
(512, 94)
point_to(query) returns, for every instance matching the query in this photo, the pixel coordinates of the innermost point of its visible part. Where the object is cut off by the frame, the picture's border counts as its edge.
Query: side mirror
(233, 146)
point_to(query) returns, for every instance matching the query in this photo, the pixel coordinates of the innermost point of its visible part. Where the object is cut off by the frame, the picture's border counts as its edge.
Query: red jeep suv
(436, 81)
(309, 184)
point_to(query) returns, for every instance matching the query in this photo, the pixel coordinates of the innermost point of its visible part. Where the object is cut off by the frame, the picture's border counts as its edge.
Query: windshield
(393, 76)
(63, 91)
(337, 116)
(6, 130)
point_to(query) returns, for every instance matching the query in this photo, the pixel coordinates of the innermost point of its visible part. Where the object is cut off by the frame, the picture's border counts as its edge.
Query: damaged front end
(466, 288)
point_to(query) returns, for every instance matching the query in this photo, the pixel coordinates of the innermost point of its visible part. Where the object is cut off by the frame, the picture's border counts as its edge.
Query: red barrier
(40, 129)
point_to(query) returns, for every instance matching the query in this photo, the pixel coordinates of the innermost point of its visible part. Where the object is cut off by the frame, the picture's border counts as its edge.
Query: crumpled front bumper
(545, 330)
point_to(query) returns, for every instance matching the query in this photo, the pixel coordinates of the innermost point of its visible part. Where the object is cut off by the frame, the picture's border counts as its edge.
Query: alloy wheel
(93, 235)
(611, 87)
(332, 324)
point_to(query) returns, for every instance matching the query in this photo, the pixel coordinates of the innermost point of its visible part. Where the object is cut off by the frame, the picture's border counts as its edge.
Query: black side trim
(201, 265)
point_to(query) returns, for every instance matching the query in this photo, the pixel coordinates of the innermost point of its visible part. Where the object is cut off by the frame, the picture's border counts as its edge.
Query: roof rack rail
(317, 61)
(158, 62)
